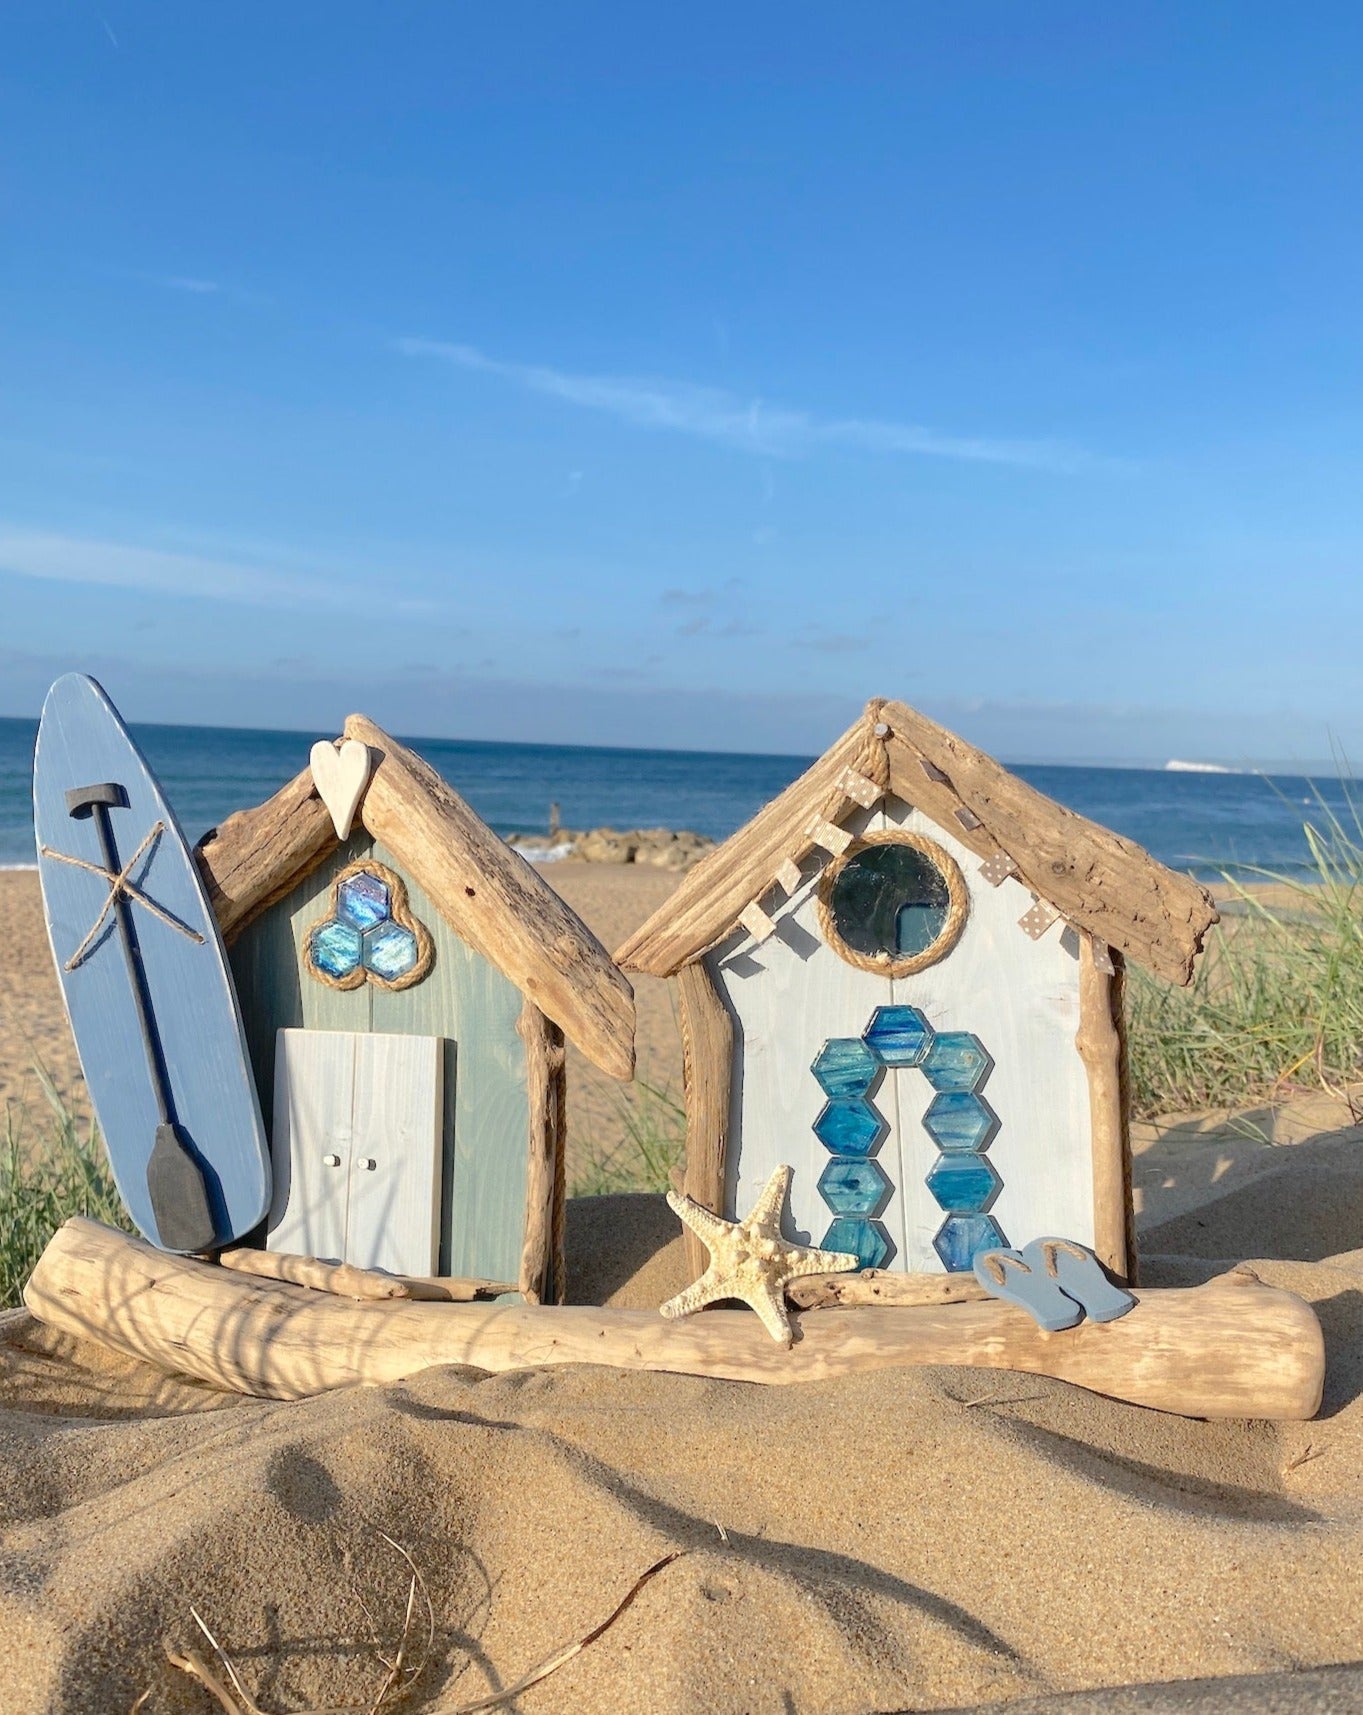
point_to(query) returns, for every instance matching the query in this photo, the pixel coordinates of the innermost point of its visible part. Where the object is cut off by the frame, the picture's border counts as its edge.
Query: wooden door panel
(357, 1148)
(394, 1220)
(311, 1142)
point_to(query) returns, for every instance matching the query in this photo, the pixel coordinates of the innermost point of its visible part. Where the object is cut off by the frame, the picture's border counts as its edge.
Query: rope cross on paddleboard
(175, 1181)
(119, 884)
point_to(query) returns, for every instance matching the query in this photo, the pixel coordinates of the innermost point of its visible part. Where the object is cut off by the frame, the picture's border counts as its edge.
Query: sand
(934, 1539)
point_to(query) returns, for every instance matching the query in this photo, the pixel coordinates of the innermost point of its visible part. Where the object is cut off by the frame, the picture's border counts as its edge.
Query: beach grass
(653, 1122)
(51, 1166)
(1277, 1003)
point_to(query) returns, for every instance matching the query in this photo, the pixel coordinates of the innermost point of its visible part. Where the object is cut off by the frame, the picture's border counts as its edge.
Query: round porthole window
(893, 902)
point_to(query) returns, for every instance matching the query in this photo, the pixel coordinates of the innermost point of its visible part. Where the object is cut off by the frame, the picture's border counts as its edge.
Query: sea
(1210, 824)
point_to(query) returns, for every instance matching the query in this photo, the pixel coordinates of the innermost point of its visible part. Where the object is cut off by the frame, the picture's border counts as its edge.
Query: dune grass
(51, 1166)
(654, 1143)
(1277, 1003)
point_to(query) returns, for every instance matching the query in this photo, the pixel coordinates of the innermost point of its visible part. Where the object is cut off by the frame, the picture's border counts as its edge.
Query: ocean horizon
(1206, 822)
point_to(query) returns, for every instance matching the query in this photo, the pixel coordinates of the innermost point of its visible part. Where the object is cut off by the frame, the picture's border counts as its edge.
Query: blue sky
(684, 376)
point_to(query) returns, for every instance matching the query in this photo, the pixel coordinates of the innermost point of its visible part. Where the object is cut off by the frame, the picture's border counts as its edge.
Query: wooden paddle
(175, 1181)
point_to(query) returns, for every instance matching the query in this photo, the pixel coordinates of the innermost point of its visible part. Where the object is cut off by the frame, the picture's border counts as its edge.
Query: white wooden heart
(340, 777)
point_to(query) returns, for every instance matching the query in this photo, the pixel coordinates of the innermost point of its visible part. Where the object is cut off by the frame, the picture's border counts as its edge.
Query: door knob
(368, 1163)
(331, 1161)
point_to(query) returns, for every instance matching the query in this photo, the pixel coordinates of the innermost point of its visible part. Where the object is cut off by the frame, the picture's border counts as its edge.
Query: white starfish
(750, 1259)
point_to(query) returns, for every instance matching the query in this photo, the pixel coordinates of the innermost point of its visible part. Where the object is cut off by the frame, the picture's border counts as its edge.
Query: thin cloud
(703, 626)
(746, 425)
(187, 283)
(198, 286)
(840, 642)
(51, 558)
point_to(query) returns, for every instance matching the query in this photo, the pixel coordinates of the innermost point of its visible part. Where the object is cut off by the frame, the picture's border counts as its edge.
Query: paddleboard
(146, 982)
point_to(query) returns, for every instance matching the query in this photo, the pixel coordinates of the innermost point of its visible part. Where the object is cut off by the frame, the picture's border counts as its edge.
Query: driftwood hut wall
(1020, 997)
(542, 1275)
(707, 1034)
(464, 1000)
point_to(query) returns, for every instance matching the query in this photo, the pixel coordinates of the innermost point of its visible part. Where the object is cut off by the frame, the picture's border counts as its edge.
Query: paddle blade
(179, 1197)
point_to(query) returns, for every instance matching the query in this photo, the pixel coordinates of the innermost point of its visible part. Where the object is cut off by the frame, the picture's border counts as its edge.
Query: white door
(356, 1148)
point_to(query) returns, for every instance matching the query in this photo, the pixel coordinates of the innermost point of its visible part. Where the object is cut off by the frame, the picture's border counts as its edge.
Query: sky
(684, 376)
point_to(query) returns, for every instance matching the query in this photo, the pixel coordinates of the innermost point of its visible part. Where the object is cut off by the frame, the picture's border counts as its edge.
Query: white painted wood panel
(310, 1142)
(1020, 997)
(789, 994)
(357, 1148)
(394, 1220)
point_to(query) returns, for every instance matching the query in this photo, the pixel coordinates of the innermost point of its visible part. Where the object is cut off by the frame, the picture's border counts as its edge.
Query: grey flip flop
(1010, 1275)
(1079, 1275)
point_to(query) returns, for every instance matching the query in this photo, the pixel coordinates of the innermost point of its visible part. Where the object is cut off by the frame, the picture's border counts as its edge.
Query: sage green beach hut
(407, 982)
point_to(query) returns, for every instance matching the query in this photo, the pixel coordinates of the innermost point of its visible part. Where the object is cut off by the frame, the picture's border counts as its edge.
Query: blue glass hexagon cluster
(363, 934)
(958, 1119)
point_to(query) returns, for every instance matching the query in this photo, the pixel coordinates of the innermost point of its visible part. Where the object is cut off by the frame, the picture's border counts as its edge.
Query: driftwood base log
(1232, 1348)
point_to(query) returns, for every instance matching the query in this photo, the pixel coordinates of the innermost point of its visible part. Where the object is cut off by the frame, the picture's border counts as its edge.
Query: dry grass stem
(191, 1662)
(402, 1674)
(248, 1702)
(561, 1657)
(1307, 1454)
(1000, 1399)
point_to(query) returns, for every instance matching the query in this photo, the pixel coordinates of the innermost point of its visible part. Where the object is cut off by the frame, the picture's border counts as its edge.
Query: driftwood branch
(257, 855)
(879, 1286)
(493, 899)
(706, 906)
(1098, 880)
(707, 1035)
(344, 1280)
(1232, 1348)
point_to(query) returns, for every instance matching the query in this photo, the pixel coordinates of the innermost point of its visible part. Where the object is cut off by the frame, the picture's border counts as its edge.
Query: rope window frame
(399, 911)
(881, 962)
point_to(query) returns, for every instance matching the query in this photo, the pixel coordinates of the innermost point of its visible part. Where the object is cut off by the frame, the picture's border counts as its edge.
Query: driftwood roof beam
(709, 902)
(1097, 880)
(256, 856)
(496, 901)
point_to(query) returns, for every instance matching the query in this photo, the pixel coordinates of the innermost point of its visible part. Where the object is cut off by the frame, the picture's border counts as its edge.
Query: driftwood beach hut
(406, 983)
(904, 979)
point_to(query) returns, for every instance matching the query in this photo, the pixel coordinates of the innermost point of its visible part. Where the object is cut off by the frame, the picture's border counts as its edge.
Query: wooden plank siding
(465, 1001)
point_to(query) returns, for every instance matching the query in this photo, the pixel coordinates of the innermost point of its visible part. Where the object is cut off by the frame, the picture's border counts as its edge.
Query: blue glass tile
(335, 948)
(898, 1035)
(848, 1128)
(390, 951)
(956, 1061)
(959, 1119)
(845, 1066)
(854, 1187)
(863, 1239)
(362, 901)
(961, 1237)
(964, 1183)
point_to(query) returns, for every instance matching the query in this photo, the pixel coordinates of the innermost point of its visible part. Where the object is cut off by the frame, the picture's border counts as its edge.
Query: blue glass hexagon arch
(959, 1121)
(369, 934)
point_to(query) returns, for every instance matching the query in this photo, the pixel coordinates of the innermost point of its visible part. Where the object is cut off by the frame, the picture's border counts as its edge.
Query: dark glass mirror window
(890, 900)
